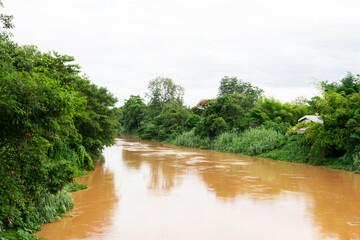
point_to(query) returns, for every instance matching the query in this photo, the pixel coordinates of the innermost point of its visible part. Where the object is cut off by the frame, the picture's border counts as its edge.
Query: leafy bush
(292, 151)
(51, 207)
(252, 141)
(75, 186)
(228, 142)
(191, 139)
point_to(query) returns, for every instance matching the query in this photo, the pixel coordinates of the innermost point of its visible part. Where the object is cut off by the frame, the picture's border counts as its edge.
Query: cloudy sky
(281, 46)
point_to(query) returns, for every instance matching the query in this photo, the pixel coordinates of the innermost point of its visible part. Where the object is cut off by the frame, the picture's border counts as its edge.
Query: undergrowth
(75, 186)
(292, 151)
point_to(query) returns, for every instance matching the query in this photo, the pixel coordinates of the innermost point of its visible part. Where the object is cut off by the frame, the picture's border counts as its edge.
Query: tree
(230, 85)
(202, 105)
(165, 125)
(226, 113)
(6, 24)
(132, 110)
(270, 109)
(164, 90)
(348, 85)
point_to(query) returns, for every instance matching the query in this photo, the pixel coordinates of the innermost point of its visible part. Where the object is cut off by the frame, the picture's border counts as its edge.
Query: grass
(75, 186)
(51, 207)
(292, 151)
(191, 139)
(336, 163)
(251, 142)
(17, 234)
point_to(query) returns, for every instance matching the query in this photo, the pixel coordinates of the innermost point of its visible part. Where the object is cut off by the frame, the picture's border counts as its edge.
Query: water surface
(148, 190)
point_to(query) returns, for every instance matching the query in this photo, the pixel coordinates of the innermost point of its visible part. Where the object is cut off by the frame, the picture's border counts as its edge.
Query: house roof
(312, 118)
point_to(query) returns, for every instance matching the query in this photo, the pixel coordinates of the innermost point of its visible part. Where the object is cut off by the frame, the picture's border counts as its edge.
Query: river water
(148, 190)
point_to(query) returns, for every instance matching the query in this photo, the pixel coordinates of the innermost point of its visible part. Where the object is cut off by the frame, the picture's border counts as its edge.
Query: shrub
(292, 151)
(51, 207)
(191, 139)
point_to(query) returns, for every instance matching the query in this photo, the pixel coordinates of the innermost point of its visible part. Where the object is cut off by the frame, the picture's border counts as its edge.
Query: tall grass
(74, 186)
(292, 151)
(228, 142)
(252, 141)
(51, 207)
(191, 139)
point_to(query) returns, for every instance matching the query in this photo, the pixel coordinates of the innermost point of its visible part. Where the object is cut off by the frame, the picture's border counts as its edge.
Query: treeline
(53, 124)
(242, 120)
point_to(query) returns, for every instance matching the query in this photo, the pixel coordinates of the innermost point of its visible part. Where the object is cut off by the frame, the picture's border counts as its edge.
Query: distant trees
(270, 109)
(163, 91)
(132, 113)
(240, 107)
(230, 85)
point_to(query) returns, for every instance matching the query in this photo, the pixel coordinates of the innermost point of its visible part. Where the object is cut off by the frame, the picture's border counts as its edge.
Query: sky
(281, 46)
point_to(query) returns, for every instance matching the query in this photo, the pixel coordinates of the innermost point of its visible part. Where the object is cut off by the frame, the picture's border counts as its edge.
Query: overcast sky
(281, 46)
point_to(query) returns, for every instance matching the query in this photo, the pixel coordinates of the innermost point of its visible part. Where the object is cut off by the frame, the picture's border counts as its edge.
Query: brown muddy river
(148, 190)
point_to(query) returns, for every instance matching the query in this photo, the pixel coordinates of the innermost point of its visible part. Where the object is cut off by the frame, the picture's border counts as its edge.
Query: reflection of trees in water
(164, 175)
(333, 195)
(93, 208)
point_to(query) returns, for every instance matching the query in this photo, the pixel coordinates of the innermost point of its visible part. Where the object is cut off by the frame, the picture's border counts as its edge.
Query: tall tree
(132, 111)
(164, 90)
(230, 85)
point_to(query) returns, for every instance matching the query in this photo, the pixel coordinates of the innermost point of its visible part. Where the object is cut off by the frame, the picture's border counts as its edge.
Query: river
(149, 190)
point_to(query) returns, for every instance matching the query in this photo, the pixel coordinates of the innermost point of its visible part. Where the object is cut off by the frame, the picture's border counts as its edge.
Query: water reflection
(148, 190)
(330, 198)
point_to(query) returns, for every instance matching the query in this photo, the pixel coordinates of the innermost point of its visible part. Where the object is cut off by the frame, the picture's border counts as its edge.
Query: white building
(306, 119)
(310, 118)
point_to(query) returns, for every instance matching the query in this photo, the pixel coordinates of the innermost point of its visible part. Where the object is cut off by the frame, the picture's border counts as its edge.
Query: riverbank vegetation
(54, 122)
(241, 120)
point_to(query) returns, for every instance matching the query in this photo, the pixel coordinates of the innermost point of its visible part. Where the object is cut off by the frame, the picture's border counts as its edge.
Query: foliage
(352, 142)
(348, 85)
(75, 186)
(51, 207)
(270, 109)
(293, 151)
(132, 110)
(202, 105)
(241, 120)
(230, 85)
(53, 124)
(163, 91)
(191, 139)
(167, 124)
(226, 113)
(252, 141)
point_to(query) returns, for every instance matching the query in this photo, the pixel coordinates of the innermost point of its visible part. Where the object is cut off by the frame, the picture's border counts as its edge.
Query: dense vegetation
(53, 123)
(242, 120)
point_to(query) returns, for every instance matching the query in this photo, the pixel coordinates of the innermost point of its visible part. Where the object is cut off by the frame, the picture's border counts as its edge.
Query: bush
(51, 207)
(316, 154)
(191, 139)
(75, 186)
(256, 141)
(292, 151)
(253, 141)
(228, 142)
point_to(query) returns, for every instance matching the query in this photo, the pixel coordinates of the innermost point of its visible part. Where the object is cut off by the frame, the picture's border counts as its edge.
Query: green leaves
(52, 124)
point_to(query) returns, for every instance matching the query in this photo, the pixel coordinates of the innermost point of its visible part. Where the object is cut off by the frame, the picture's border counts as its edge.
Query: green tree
(133, 110)
(230, 85)
(270, 109)
(226, 113)
(163, 91)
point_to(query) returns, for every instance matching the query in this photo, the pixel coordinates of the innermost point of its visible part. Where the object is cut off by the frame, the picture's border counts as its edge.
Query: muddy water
(147, 190)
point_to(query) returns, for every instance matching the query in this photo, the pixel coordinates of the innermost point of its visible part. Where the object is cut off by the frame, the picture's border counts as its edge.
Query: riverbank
(146, 188)
(51, 208)
(258, 143)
